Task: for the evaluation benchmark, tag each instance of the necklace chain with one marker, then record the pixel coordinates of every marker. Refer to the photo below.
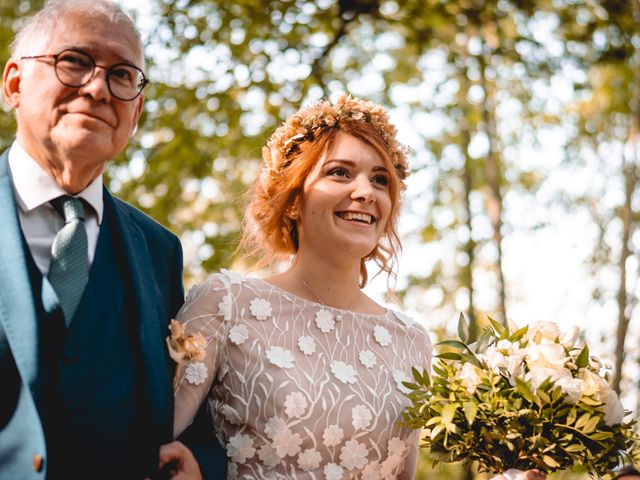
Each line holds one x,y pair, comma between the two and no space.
304,284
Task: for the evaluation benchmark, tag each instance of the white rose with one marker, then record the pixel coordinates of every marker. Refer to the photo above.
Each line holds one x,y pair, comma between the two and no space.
572,387
613,409
570,337
592,384
546,354
494,359
469,376
539,374
543,331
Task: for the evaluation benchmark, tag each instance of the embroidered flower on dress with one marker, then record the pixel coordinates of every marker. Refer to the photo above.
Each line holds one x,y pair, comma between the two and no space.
287,443
367,358
353,455
389,466
371,471
231,415
238,334
224,307
196,373
232,277
383,337
260,308
274,426
344,372
268,455
332,471
307,345
404,318
397,446
309,459
360,417
399,376
240,448
280,357
325,321
295,404
232,470
332,435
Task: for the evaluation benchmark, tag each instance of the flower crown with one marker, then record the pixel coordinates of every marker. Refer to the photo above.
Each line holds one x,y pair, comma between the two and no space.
310,121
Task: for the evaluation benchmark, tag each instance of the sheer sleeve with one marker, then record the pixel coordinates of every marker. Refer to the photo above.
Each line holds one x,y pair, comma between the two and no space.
204,313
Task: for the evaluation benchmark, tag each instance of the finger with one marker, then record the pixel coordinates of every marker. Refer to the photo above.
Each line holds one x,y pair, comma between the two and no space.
170,452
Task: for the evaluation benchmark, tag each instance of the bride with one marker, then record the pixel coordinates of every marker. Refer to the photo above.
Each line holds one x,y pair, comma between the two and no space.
301,371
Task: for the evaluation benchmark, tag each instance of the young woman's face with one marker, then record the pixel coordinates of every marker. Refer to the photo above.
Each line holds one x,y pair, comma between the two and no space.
345,201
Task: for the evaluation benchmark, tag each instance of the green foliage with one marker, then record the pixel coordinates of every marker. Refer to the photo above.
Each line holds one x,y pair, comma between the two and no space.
478,406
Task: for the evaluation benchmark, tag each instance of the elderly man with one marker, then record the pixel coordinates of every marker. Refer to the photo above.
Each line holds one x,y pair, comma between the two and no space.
88,283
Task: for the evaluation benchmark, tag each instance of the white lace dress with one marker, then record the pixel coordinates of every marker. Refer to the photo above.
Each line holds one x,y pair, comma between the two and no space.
299,390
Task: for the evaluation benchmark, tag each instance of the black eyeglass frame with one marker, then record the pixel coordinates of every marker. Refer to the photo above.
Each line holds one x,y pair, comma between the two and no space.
109,71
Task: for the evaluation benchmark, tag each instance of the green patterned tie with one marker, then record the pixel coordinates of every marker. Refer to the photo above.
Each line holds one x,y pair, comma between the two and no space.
69,270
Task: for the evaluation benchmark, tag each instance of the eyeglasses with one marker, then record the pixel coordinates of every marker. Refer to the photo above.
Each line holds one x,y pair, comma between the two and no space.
75,69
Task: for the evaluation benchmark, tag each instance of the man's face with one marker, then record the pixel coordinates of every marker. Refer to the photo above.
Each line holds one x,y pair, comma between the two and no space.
74,131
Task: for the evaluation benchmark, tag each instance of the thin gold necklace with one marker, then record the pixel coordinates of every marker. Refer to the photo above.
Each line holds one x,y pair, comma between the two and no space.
338,317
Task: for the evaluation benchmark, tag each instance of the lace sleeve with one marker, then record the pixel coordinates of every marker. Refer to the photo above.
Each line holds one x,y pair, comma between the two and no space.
203,313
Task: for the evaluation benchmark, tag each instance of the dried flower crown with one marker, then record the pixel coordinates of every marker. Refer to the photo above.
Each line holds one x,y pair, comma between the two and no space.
309,122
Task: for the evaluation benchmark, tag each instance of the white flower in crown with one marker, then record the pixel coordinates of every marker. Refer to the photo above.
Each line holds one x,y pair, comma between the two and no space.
224,307
287,443
332,471
399,377
260,308
268,455
353,455
295,404
367,358
309,459
344,372
382,335
361,417
332,435
196,373
240,448
239,334
274,426
280,357
325,321
306,344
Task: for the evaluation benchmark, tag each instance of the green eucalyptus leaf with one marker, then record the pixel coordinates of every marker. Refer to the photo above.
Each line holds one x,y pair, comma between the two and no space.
463,328
583,358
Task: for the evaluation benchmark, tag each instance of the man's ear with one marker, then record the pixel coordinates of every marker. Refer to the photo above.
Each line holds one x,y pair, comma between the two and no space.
11,83
139,106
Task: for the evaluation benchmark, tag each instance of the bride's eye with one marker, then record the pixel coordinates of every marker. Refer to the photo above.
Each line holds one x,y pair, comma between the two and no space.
339,172
382,180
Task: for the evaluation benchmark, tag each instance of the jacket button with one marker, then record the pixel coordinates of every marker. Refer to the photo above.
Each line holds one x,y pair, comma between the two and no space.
37,462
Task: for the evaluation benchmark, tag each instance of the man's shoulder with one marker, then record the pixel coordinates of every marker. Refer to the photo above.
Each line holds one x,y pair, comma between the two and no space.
141,219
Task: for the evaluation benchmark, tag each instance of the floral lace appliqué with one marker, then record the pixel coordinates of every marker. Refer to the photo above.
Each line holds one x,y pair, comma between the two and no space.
260,308
332,471
280,357
325,321
382,335
353,455
367,358
268,455
295,405
307,344
344,372
238,334
196,373
309,459
399,376
240,448
332,435
360,417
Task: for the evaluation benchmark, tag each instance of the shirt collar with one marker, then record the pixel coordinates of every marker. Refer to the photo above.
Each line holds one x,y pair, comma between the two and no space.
34,187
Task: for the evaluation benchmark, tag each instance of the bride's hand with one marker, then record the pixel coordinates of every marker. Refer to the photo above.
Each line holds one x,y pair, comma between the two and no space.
178,462
518,475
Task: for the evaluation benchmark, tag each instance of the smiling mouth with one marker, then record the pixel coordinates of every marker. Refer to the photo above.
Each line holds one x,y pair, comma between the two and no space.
357,217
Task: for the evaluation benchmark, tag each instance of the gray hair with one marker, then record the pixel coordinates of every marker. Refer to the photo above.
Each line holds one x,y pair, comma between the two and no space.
40,26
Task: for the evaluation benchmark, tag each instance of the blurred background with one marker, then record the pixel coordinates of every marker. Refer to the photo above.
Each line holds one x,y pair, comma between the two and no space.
523,117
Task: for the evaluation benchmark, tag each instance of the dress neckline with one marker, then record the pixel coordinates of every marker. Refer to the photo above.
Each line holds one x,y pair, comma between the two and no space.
284,292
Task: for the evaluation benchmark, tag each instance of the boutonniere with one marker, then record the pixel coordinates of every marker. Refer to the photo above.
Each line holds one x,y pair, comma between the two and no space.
184,347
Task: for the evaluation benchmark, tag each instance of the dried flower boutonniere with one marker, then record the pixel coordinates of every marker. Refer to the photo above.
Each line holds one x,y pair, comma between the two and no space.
184,347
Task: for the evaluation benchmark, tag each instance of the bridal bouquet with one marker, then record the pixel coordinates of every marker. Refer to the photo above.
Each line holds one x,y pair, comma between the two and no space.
521,399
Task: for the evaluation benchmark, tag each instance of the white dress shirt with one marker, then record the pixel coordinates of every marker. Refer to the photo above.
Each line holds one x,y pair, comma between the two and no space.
34,189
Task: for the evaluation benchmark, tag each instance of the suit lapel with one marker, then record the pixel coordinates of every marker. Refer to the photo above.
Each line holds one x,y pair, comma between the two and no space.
17,311
151,327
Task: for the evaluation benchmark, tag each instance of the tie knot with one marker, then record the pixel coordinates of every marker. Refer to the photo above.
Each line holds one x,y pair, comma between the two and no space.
69,208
